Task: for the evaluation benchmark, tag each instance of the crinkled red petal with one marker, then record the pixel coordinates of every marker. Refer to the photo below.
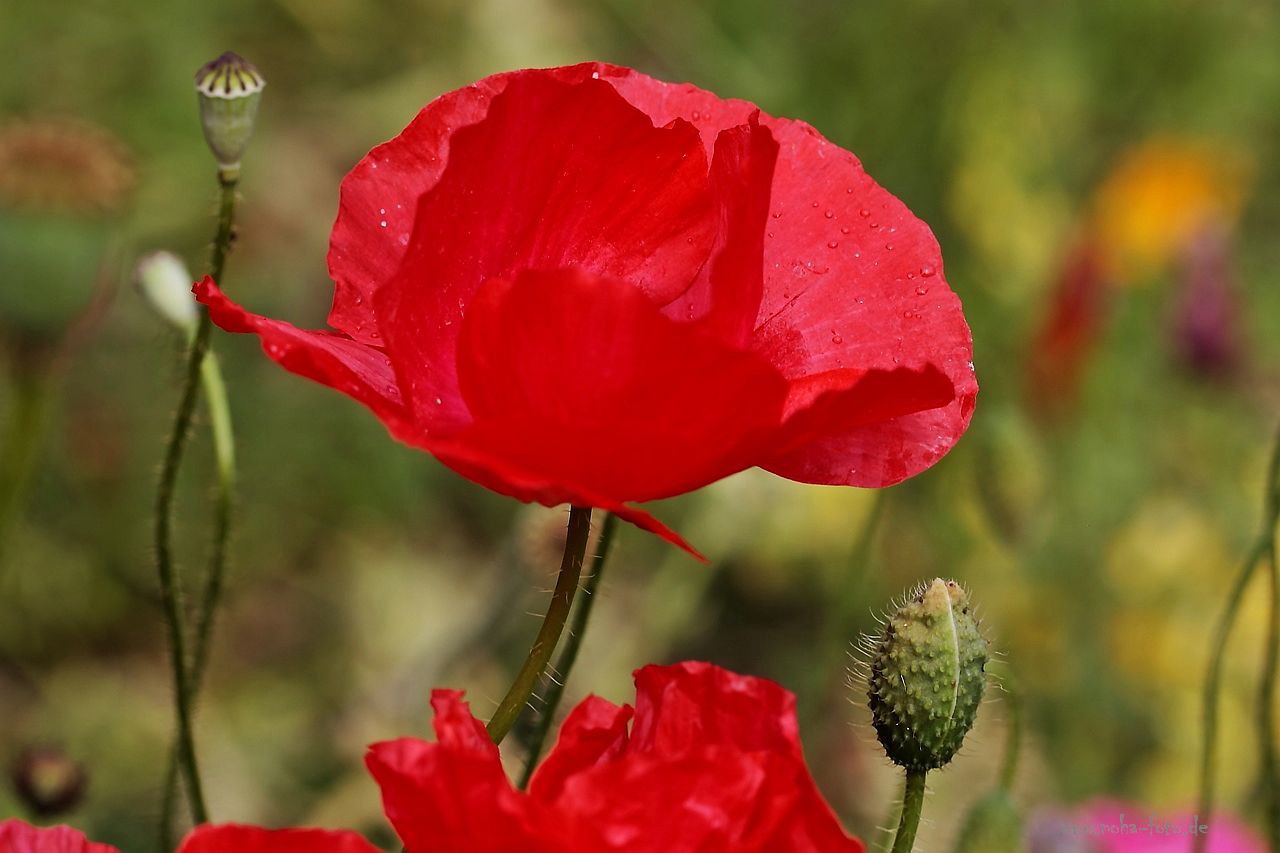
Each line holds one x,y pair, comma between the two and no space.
452,796
852,279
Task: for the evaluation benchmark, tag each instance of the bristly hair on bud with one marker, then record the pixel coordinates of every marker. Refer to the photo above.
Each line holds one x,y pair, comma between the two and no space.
229,89
927,676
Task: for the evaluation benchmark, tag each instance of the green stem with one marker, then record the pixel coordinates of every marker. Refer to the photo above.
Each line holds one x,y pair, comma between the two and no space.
169,589
215,395
572,644
535,664
1213,677
912,805
32,384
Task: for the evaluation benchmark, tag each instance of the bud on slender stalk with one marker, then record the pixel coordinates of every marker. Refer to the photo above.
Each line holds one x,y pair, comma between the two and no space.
229,89
927,677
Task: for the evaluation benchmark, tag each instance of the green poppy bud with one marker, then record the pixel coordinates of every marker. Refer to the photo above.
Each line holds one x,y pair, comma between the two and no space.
229,91
926,676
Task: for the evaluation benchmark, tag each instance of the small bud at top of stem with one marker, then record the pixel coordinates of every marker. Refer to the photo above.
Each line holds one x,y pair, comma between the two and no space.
927,676
229,89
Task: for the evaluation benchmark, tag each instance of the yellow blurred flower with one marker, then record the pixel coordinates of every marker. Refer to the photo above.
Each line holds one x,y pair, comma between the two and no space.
1158,195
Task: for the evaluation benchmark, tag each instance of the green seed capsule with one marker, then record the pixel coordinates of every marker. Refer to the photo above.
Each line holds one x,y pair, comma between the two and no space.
927,677
229,90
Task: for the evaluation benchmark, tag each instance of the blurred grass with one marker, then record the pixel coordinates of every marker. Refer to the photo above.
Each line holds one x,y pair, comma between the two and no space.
1099,543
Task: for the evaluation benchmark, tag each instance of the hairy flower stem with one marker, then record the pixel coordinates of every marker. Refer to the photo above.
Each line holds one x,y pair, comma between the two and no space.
572,644
215,395
912,804
1262,549
183,692
535,664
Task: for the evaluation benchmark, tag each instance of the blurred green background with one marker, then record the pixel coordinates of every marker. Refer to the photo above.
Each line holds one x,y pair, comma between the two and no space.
1102,177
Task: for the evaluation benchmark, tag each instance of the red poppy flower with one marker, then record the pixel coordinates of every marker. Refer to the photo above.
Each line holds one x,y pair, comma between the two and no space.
583,285
712,761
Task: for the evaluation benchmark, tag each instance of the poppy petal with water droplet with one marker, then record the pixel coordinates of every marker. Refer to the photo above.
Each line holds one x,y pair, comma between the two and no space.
660,341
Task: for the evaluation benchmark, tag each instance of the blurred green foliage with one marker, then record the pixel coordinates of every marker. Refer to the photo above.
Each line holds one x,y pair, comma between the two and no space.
1098,541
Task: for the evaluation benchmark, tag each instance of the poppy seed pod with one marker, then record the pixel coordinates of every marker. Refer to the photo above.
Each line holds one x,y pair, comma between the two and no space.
229,90
926,676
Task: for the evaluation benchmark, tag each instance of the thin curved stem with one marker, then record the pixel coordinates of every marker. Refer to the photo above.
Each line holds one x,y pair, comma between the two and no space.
165,569
535,664
572,644
1213,677
912,805
215,395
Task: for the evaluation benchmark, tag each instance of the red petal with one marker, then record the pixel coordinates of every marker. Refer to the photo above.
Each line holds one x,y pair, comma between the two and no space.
582,382
859,304
453,795
234,838
713,763
725,298
19,837
595,731
357,370
556,176
693,704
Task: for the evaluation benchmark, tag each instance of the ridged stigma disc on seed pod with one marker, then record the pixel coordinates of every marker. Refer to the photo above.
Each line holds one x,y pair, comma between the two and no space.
927,677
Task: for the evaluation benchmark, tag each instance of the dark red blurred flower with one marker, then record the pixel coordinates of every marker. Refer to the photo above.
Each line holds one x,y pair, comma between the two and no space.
1069,331
711,761
583,285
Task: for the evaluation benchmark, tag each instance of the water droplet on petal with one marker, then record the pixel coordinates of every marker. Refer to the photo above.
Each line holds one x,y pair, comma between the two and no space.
835,337
888,247
844,229
921,290
383,223
830,214
815,204
777,214
439,402
926,271
832,245
864,212
875,225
